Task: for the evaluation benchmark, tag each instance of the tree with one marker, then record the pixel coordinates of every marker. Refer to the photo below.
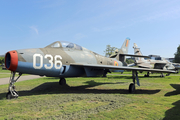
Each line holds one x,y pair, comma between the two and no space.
129,61
2,59
177,55
109,50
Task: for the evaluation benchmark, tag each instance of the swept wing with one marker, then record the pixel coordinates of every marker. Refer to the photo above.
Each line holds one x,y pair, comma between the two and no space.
120,68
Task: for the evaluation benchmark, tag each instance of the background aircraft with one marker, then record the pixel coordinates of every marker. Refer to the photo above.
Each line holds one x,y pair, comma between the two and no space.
162,63
177,66
65,59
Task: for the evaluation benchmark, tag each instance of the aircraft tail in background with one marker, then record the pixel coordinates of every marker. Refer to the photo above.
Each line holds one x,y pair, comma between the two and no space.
123,50
137,52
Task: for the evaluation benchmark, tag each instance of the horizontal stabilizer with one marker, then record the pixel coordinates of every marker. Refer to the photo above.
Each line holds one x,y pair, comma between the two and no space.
131,65
134,55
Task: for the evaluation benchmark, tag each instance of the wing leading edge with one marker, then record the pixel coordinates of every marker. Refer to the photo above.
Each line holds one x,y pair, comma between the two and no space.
120,68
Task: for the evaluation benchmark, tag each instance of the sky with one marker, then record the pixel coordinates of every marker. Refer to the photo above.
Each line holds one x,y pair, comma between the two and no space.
154,25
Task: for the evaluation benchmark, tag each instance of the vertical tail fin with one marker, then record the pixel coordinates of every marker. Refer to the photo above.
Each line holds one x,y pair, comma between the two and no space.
123,50
137,52
124,47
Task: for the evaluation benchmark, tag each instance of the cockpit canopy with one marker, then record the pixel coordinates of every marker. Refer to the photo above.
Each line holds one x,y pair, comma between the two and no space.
64,44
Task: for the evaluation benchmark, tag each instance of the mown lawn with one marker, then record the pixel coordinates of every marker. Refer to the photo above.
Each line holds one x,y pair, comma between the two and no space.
7,73
94,98
4,73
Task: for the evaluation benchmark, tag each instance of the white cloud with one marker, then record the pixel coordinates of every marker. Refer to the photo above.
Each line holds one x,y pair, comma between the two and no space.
34,29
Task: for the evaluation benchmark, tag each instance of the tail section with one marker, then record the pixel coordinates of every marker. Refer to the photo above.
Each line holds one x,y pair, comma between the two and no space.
137,52
123,50
124,47
114,54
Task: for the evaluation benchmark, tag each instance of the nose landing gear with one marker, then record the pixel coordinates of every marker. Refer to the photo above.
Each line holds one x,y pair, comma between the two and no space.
12,93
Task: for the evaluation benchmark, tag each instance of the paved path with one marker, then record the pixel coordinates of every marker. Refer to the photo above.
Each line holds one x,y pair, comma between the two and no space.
22,78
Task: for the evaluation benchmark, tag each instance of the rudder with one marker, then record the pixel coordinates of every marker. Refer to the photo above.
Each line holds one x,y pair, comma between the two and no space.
123,50
137,52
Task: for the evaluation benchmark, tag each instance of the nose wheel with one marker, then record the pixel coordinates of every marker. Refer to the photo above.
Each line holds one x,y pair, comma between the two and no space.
12,93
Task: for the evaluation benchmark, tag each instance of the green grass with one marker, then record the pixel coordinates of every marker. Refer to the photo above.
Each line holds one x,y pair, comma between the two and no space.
4,75
7,73
94,98
4,71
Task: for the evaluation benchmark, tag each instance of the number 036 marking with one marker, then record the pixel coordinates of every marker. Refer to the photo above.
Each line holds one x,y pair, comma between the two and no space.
57,62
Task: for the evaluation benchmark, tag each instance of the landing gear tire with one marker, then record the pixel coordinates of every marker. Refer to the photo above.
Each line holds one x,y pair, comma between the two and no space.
161,75
62,81
132,88
146,75
167,74
10,96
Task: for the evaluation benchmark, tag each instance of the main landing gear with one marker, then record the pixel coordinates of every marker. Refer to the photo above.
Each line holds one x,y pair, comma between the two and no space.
167,74
132,88
132,85
162,75
146,75
105,73
62,81
12,93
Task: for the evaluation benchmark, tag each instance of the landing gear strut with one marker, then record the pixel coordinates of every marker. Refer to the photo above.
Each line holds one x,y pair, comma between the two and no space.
11,89
105,73
162,75
146,75
62,81
167,74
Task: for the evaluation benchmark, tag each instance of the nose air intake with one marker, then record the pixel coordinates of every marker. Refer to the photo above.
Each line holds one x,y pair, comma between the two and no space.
11,60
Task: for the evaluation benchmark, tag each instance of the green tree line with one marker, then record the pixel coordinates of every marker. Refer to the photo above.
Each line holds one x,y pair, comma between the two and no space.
2,59
177,55
110,52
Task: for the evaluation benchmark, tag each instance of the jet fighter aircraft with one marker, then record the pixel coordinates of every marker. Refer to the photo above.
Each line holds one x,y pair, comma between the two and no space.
64,59
177,66
150,63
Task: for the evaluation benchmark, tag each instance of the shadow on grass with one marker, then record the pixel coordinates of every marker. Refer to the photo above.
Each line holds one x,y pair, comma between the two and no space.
175,92
55,88
173,113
